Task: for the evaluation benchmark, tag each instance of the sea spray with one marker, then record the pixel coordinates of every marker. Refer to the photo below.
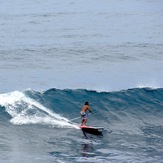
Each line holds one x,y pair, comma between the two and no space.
25,110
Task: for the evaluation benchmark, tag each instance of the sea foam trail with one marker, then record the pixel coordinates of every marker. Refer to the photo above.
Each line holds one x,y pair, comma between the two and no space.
25,110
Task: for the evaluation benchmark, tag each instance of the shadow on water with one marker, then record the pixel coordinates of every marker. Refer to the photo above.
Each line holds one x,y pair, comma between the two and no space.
96,133
87,149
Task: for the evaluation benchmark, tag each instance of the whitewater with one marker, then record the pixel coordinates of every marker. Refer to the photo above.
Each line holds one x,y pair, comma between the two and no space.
55,55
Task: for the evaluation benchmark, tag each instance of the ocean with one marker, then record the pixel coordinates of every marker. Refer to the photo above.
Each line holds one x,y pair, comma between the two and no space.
55,55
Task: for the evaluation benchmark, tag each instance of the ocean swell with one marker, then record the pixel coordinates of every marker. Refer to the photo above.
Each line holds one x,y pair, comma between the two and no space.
121,110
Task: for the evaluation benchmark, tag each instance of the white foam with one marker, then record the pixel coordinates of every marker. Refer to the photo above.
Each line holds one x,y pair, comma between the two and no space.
152,86
18,105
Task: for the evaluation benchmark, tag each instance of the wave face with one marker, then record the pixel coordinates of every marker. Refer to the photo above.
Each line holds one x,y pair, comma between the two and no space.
44,119
56,107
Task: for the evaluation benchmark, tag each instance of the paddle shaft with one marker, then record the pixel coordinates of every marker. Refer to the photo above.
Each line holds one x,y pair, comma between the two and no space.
78,117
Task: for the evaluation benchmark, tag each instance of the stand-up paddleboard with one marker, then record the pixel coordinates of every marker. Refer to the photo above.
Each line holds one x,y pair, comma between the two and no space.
92,130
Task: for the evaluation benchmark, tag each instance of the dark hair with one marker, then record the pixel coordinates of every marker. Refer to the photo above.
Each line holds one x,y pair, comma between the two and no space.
87,103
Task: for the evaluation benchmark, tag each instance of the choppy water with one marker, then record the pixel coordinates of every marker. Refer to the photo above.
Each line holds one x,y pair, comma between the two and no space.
35,126
52,53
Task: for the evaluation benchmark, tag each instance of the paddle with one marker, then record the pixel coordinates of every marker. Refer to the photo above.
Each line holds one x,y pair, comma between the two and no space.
79,117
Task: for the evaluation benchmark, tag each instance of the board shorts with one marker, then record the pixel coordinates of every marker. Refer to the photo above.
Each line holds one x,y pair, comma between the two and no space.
83,115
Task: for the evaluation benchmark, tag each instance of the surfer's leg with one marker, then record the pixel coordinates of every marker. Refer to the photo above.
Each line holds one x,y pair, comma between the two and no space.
82,123
85,121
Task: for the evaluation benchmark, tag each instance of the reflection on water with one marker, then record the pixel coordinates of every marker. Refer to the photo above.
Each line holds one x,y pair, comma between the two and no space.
87,149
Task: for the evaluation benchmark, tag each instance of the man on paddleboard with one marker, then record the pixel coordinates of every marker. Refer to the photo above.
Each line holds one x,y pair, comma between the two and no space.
83,113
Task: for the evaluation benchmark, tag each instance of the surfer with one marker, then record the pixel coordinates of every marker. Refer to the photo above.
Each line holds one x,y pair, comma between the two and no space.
83,113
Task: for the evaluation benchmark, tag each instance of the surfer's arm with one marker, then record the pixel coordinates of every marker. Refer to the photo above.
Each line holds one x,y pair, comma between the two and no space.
90,110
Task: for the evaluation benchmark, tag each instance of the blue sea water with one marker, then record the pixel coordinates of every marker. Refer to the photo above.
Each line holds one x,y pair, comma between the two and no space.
55,55
35,126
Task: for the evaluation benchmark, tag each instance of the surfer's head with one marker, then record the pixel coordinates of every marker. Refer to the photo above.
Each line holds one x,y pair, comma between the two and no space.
87,103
